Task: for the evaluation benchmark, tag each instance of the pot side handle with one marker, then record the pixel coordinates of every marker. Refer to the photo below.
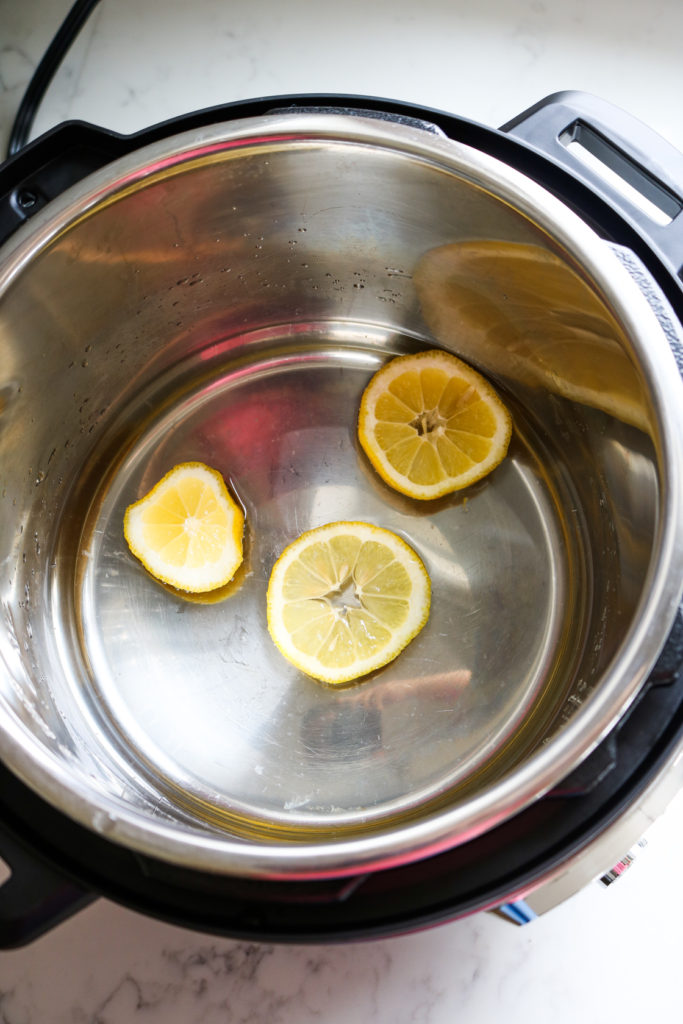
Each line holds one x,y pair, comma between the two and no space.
626,163
52,163
34,898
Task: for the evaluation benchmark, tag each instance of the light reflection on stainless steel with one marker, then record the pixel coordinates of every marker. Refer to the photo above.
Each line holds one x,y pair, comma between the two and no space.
229,303
523,309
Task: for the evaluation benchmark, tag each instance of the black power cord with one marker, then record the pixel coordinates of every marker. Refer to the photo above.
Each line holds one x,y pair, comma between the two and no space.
44,73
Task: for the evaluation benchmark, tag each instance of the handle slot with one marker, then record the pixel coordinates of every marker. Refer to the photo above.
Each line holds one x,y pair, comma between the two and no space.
623,147
620,172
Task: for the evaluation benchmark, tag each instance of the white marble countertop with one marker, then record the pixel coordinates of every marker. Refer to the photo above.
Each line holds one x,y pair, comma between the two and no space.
606,954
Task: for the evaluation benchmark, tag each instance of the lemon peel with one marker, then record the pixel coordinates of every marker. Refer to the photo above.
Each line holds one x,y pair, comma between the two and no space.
187,530
345,599
430,424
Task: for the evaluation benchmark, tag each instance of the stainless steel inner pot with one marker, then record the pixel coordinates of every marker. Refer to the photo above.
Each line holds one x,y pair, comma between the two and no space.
225,295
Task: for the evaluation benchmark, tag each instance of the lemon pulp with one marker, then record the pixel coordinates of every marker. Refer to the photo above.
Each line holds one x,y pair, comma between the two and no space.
431,424
345,599
187,530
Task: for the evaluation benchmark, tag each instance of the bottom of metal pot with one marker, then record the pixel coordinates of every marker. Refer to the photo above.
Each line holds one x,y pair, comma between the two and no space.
191,695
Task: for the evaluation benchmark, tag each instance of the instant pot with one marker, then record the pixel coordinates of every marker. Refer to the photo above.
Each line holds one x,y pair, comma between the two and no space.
221,287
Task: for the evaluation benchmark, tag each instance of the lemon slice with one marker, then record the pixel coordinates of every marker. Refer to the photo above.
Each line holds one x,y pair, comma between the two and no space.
187,531
430,424
345,599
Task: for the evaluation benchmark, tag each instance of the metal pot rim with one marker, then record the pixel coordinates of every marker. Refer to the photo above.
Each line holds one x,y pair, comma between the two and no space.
50,777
